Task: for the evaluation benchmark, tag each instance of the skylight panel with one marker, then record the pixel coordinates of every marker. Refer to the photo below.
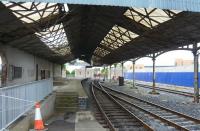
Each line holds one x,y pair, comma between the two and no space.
150,17
117,37
55,38
101,52
30,12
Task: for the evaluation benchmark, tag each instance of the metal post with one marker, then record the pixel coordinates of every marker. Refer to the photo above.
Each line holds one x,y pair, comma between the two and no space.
61,68
110,73
107,73
114,74
85,71
104,73
122,69
154,76
196,78
133,74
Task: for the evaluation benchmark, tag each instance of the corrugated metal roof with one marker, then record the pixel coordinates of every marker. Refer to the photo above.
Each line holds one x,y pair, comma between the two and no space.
184,5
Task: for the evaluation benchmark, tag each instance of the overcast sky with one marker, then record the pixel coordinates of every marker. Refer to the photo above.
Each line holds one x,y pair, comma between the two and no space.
166,59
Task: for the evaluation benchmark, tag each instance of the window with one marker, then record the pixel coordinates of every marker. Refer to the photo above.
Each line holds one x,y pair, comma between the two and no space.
48,74
42,72
15,72
45,74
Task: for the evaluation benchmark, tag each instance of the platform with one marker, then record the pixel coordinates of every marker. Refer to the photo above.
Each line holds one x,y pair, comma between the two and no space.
81,120
69,85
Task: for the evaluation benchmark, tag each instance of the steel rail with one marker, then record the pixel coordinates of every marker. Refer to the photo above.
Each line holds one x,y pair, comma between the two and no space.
110,125
154,115
123,108
187,94
155,105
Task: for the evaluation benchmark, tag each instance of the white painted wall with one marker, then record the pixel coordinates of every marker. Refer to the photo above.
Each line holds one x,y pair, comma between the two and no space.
21,59
115,73
28,63
57,70
80,73
89,73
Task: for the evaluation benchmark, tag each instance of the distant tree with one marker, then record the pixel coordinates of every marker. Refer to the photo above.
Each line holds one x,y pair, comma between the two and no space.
73,72
67,72
115,65
104,72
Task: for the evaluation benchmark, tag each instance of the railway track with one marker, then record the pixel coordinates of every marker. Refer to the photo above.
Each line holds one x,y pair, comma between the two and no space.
117,117
173,118
186,94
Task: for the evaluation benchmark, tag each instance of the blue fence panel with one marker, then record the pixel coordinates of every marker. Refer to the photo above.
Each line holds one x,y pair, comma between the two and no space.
172,78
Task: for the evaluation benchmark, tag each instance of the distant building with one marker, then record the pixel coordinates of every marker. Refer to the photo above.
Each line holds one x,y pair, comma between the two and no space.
139,66
182,62
83,73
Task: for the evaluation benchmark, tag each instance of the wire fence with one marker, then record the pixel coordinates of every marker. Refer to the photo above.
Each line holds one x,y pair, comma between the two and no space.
17,100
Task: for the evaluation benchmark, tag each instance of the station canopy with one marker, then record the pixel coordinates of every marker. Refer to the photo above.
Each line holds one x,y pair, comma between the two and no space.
96,34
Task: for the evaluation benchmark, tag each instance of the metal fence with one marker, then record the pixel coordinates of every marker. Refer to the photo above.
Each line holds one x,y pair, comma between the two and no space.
17,100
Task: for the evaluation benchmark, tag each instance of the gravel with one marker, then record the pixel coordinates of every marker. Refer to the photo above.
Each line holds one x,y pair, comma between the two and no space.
172,101
155,124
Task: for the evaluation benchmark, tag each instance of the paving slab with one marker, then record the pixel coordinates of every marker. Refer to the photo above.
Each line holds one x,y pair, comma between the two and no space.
85,121
72,85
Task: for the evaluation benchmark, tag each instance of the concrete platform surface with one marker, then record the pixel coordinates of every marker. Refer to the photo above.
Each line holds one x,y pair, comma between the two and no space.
61,122
79,121
85,121
72,85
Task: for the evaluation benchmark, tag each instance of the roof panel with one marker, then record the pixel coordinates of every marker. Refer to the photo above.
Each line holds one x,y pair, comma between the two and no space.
101,52
55,38
150,17
32,11
185,5
117,37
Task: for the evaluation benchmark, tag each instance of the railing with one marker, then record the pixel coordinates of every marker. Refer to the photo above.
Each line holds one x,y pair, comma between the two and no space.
17,100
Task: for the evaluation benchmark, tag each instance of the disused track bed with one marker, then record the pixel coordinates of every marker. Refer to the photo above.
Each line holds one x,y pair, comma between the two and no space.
173,118
182,93
116,116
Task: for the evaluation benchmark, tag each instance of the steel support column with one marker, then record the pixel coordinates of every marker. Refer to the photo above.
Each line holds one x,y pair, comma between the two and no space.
85,71
196,78
122,69
154,76
104,73
110,73
133,74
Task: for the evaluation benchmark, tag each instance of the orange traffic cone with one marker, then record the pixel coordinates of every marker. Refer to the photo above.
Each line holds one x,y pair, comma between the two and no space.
38,118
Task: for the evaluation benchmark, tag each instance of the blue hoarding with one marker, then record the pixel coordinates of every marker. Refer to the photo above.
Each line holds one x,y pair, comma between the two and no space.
172,78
